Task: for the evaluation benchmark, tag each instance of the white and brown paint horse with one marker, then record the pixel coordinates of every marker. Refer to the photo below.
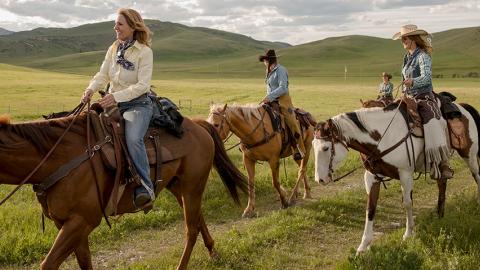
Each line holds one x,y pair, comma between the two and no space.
259,142
383,157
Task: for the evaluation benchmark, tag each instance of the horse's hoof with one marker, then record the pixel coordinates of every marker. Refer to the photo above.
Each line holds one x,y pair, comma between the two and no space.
406,236
214,256
307,196
285,205
359,252
441,212
249,214
291,203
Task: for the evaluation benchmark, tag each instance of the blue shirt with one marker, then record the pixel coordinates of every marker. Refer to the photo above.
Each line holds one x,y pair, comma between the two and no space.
385,89
277,82
418,66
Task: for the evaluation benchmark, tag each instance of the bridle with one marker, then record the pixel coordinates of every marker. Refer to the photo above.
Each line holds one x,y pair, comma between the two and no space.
224,116
371,157
333,139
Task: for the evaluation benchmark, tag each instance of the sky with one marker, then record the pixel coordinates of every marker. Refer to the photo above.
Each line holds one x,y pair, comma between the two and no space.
291,21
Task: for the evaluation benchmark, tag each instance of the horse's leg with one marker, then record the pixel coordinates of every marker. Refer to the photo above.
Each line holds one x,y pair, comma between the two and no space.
303,170
207,238
406,181
472,162
82,253
294,193
373,189
274,167
442,188
302,175
192,201
71,233
250,167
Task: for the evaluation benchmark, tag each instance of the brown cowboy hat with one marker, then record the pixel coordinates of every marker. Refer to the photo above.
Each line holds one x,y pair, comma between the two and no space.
269,55
410,30
385,74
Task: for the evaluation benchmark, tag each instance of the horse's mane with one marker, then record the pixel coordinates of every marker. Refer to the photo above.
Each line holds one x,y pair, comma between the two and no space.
354,122
247,111
42,133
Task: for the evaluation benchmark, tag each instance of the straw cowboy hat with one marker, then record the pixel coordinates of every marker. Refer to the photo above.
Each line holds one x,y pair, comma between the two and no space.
385,74
269,55
410,30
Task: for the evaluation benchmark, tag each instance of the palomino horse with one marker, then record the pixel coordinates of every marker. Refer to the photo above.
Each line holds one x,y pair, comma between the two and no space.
74,204
396,155
259,142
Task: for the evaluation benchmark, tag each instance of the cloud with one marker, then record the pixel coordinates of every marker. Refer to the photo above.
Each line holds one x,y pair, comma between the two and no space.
294,21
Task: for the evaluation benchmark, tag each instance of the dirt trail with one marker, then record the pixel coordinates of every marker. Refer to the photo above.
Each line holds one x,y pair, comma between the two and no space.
333,243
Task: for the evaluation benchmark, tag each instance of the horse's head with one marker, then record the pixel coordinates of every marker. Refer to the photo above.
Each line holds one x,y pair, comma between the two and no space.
219,119
372,103
4,120
329,151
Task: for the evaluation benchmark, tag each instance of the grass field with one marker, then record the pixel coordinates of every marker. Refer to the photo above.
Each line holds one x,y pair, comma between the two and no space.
316,234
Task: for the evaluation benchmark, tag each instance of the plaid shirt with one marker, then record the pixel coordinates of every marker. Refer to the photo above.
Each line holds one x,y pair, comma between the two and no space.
418,66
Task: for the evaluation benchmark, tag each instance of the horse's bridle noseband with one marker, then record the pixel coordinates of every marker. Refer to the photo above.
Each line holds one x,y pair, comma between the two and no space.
266,136
333,139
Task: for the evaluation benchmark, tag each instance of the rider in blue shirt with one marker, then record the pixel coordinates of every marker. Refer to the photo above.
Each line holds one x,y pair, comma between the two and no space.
277,91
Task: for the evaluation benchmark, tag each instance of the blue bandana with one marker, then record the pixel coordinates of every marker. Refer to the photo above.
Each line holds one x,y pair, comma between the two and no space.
121,55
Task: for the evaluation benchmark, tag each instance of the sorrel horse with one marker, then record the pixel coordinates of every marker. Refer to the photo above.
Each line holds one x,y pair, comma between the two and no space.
259,142
391,156
73,203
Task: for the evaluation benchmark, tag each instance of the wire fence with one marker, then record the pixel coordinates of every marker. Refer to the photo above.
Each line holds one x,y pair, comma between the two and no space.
29,111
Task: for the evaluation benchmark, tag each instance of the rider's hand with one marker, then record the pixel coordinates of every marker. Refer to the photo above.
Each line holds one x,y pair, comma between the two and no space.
87,95
408,82
265,99
107,101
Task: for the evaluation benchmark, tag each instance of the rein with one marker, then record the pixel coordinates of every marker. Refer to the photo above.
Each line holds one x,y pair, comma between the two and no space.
76,113
265,139
370,157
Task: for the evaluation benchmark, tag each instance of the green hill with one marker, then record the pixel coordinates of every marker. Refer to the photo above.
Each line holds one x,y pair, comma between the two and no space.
82,48
456,51
194,51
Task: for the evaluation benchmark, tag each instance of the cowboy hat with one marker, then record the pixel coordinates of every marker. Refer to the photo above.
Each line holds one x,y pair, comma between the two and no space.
385,74
409,30
269,54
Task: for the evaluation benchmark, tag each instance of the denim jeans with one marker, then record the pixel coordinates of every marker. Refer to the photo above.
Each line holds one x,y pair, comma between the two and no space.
137,114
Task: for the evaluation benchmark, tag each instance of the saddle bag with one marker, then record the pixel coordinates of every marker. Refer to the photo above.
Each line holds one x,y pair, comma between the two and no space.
166,115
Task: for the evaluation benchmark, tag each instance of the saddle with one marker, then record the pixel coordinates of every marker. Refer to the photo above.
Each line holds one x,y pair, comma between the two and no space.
304,118
161,146
457,122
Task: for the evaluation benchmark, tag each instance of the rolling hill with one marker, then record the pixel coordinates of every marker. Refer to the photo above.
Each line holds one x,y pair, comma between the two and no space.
201,52
4,31
79,48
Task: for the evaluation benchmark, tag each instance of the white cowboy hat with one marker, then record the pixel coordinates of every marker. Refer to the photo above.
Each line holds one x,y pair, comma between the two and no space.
409,30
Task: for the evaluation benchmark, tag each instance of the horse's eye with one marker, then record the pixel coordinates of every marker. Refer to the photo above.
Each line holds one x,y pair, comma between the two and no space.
215,125
325,148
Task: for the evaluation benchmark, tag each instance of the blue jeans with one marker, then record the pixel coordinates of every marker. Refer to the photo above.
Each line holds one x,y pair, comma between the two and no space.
137,114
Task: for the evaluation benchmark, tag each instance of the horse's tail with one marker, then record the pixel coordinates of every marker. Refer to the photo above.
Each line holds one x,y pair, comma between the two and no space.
230,175
476,117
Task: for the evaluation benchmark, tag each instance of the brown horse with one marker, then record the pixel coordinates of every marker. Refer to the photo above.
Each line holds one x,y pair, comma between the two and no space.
259,142
73,202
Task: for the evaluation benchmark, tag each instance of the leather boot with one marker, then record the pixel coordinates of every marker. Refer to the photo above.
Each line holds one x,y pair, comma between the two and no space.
144,194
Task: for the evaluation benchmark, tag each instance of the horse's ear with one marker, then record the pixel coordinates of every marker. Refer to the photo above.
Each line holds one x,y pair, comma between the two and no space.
329,127
224,108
